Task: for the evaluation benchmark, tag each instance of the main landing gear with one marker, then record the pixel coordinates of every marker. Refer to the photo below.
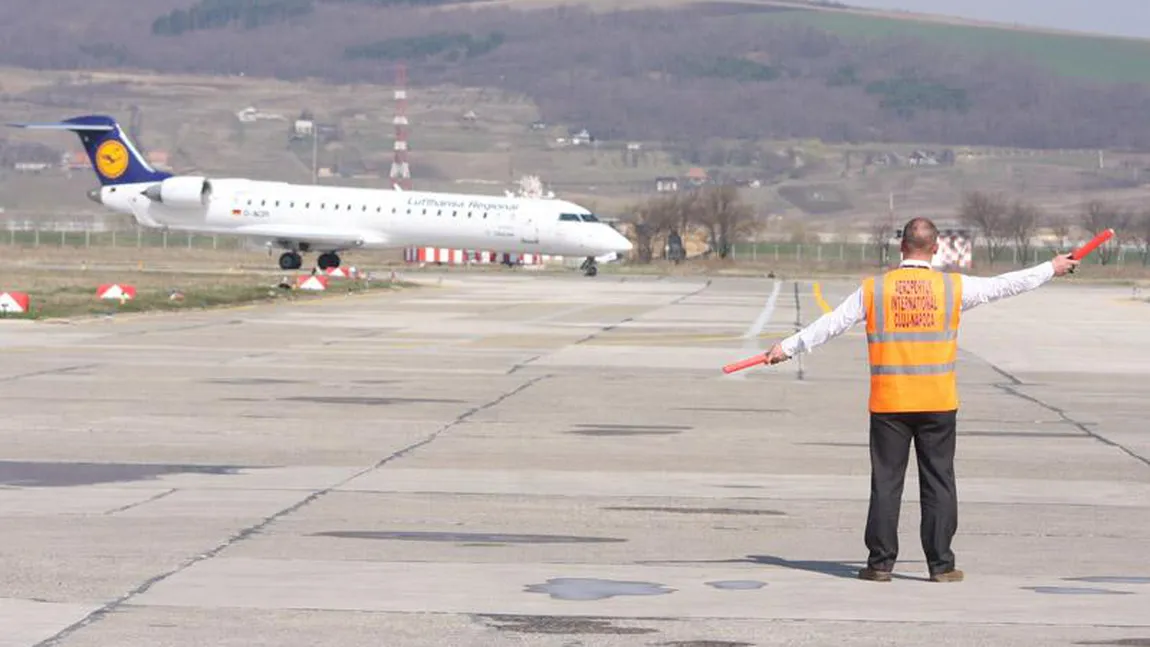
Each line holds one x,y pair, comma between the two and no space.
293,261
590,266
327,260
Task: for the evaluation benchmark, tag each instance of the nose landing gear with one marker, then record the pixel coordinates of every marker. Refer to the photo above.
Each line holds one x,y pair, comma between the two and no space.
590,266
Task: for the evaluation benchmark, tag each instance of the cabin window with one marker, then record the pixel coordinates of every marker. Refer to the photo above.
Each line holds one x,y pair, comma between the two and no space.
263,202
468,214
292,205
393,210
485,215
378,209
424,212
365,207
249,203
454,214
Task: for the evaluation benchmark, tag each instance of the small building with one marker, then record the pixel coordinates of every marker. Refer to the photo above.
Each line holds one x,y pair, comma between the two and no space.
666,184
31,167
159,159
76,161
697,176
303,127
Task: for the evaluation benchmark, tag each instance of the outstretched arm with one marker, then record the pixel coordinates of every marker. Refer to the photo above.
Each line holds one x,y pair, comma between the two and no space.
979,290
821,330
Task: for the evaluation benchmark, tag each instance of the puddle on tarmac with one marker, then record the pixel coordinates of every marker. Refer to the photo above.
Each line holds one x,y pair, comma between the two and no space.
562,625
629,430
32,474
723,511
1073,590
1110,579
732,410
737,585
251,381
484,538
366,400
589,588
1023,434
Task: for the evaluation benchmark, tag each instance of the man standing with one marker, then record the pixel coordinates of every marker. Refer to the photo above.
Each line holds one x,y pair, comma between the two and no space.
912,317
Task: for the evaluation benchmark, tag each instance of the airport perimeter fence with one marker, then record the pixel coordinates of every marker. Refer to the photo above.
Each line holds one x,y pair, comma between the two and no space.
119,239
827,256
854,256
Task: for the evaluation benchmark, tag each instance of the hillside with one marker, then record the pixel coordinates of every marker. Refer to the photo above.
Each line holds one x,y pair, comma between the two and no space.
679,73
800,185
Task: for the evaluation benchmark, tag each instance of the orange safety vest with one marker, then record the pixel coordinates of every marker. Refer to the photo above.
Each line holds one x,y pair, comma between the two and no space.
912,317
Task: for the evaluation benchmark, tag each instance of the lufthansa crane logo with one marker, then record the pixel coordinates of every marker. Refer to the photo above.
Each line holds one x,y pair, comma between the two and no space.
111,159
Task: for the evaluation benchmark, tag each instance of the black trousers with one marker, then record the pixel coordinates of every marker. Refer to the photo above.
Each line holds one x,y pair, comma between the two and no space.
934,443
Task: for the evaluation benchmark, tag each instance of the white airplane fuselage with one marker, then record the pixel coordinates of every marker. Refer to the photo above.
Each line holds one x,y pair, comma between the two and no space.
329,218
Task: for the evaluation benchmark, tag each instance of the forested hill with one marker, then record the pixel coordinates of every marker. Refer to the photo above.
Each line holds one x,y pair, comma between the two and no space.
682,74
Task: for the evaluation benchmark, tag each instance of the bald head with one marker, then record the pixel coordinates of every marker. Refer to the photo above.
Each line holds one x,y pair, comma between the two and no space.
919,239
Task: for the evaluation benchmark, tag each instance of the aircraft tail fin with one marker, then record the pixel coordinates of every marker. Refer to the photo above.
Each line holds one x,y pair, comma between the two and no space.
114,157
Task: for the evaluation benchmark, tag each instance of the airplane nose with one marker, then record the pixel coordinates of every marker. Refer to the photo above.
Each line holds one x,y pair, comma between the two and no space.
622,244
94,196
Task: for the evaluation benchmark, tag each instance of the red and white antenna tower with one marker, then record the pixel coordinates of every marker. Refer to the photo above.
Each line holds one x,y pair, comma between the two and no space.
400,171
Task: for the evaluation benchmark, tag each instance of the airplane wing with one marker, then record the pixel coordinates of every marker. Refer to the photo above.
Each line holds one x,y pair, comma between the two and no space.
346,238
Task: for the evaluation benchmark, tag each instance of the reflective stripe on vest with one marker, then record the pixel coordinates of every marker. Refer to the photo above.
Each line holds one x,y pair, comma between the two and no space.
912,357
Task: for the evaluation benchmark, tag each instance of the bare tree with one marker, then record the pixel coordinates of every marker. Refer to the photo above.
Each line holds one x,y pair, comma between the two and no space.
649,222
880,232
1098,216
1061,227
1022,222
988,214
1140,230
725,216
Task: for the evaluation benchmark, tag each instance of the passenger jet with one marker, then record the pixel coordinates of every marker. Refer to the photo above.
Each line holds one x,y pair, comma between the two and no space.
331,219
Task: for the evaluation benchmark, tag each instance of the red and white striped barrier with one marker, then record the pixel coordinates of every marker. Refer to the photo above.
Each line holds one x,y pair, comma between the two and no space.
14,303
461,256
116,292
315,283
337,273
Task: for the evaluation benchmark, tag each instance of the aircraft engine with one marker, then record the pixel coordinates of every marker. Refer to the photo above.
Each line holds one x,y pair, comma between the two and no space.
188,191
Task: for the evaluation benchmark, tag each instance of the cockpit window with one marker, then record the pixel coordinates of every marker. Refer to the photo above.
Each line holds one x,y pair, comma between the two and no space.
577,217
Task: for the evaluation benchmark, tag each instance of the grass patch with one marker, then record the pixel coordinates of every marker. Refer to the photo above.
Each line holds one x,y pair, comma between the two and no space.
73,293
1098,58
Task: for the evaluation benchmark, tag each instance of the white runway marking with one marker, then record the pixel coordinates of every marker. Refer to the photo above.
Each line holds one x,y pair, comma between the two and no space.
751,343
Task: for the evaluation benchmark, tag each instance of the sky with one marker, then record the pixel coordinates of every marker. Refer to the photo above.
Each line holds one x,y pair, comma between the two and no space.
1115,17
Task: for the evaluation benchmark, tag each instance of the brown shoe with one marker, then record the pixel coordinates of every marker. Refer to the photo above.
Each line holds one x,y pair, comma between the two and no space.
953,575
873,575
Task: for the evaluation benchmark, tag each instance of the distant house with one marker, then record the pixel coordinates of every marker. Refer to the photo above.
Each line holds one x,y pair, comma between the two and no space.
31,167
76,161
697,176
303,127
159,159
666,184
539,125
581,136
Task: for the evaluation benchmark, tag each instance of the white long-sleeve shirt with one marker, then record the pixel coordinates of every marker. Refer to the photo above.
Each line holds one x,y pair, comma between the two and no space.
975,292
